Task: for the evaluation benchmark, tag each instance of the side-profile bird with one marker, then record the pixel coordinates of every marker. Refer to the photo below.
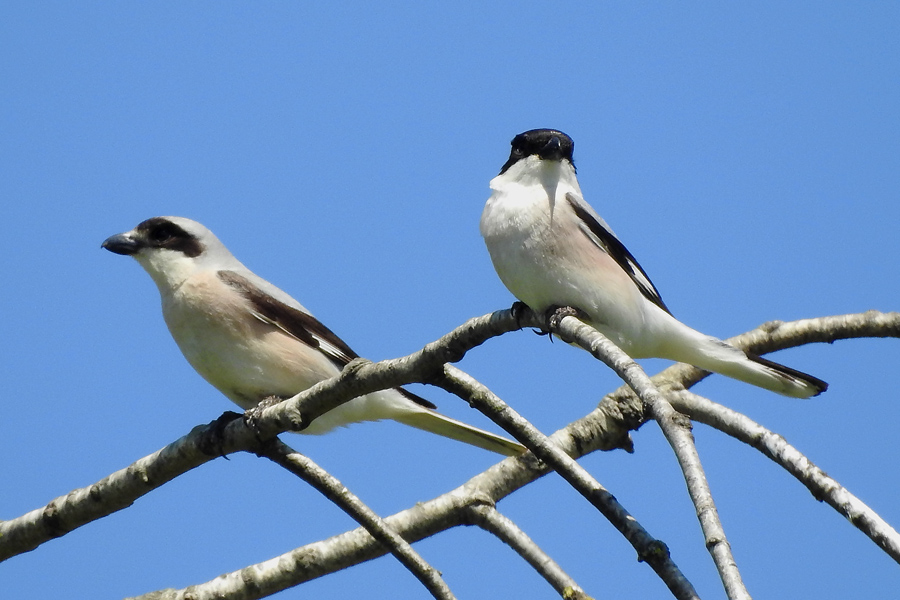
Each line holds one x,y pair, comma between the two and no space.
253,341
551,249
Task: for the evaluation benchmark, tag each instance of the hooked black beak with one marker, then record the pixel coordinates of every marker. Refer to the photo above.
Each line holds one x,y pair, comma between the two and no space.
121,244
552,150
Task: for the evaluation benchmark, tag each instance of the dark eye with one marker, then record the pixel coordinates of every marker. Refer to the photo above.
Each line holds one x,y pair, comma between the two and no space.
161,234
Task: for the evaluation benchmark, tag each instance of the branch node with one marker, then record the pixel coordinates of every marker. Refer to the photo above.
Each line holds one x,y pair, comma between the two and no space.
682,421
51,519
571,593
654,551
351,369
248,578
713,541
95,492
771,326
481,499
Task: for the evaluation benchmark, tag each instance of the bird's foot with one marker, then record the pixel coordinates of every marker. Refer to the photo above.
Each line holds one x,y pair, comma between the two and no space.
555,315
211,442
252,415
518,310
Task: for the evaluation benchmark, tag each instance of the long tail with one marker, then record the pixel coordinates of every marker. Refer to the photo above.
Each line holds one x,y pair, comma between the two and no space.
713,354
405,407
797,384
435,422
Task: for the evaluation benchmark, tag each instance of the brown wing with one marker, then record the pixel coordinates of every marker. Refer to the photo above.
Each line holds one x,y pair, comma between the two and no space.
294,322
300,325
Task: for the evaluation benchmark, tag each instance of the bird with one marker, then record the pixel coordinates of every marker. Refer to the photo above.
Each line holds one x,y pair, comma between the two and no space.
254,342
551,249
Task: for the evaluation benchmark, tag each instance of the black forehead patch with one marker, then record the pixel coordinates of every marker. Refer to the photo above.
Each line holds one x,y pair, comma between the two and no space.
160,232
533,141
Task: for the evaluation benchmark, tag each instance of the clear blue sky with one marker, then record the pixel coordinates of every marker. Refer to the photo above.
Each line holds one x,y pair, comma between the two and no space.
748,156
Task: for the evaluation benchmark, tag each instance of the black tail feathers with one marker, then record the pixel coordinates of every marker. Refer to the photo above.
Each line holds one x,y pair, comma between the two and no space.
817,385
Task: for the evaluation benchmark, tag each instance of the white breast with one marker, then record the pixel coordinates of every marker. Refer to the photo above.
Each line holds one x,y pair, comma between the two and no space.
544,258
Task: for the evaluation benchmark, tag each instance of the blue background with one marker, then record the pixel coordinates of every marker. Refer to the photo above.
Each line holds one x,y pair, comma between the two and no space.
748,156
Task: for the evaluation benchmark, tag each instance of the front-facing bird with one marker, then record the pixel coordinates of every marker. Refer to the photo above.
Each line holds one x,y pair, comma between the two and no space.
253,341
551,249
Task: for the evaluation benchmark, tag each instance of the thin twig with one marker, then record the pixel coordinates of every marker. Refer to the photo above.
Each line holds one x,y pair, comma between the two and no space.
774,446
491,520
650,550
676,429
448,510
356,546
334,490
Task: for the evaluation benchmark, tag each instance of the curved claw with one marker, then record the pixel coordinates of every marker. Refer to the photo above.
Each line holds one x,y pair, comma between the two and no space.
518,309
555,315
211,442
251,416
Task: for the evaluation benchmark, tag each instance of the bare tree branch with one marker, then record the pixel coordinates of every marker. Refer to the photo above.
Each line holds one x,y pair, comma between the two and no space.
605,428
822,487
650,550
334,490
356,546
117,491
677,429
425,519
123,487
353,547
491,520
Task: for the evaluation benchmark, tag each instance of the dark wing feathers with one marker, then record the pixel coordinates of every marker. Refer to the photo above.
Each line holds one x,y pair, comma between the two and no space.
617,250
300,325
292,321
